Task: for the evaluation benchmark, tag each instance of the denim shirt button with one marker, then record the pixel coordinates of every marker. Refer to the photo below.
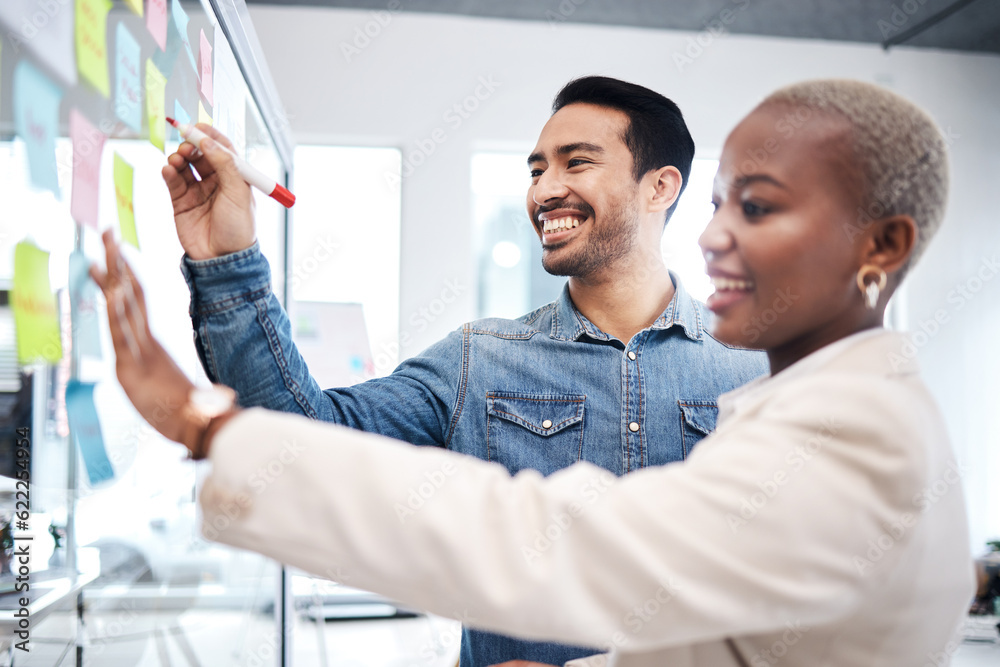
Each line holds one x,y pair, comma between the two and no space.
634,426
547,423
631,355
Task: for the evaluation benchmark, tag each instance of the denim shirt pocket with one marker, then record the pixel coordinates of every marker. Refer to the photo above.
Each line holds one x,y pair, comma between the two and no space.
543,432
698,418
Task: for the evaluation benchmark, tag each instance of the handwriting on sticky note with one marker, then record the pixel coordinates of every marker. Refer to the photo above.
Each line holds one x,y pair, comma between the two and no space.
123,197
36,119
91,43
155,112
36,319
88,143
128,85
206,68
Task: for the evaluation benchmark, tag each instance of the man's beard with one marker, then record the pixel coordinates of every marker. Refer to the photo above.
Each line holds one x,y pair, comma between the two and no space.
607,243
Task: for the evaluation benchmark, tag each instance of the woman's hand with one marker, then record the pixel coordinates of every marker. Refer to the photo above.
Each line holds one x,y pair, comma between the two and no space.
214,215
157,387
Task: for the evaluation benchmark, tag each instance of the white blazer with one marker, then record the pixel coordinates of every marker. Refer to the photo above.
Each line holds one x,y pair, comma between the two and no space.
823,524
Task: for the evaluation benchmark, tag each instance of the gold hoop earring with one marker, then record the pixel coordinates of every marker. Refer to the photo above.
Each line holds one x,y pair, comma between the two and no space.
871,291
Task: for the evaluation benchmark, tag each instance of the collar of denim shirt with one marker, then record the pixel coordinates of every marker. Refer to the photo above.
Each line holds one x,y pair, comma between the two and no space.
568,323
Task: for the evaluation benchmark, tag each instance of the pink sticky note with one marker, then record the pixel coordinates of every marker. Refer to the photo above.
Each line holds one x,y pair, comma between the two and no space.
156,21
88,143
206,69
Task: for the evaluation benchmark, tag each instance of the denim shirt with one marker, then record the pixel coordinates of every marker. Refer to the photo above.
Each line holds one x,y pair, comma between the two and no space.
542,392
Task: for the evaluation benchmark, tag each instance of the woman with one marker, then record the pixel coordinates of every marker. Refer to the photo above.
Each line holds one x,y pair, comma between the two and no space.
801,532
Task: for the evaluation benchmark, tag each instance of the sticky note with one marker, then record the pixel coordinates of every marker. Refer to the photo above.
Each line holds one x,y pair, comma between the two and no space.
182,117
36,119
92,42
155,112
181,24
86,429
206,68
128,86
45,30
83,306
135,6
167,58
203,115
123,195
36,318
88,143
156,22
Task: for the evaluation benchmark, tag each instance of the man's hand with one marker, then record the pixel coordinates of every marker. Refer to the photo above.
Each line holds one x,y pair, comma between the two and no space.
214,215
156,386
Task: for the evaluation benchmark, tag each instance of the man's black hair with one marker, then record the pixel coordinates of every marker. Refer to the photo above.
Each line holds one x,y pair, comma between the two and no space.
656,134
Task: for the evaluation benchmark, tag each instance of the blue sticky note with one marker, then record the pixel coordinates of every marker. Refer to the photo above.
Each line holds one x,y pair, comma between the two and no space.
83,306
128,86
86,430
36,120
181,25
181,117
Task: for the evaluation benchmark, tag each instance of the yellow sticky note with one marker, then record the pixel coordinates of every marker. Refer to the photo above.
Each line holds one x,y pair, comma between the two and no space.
155,111
123,195
135,6
36,318
203,116
92,43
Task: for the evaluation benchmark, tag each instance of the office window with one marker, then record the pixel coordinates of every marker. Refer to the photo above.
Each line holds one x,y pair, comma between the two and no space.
345,244
511,278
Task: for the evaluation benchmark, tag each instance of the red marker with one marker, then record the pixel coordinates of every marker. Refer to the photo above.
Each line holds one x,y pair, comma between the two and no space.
249,173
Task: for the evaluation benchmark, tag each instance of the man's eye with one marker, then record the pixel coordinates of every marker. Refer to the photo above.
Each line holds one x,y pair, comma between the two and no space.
576,162
753,210
535,173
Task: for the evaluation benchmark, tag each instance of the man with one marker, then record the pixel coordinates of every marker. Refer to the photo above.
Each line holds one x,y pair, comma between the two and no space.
620,371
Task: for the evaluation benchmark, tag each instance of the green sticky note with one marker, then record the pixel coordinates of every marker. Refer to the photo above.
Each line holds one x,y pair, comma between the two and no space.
123,195
92,43
36,318
155,105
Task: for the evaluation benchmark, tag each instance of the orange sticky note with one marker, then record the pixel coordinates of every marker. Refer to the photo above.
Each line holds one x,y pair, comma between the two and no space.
88,143
92,43
155,105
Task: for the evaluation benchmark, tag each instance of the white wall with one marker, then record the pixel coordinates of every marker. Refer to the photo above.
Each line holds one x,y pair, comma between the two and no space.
396,89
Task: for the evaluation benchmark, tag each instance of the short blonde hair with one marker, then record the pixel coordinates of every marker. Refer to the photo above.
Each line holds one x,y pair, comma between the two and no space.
901,152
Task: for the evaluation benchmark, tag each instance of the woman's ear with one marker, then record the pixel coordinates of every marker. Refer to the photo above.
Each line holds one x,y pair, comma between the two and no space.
666,184
890,242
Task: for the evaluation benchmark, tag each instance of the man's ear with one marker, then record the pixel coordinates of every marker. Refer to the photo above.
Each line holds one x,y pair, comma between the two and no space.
890,242
666,187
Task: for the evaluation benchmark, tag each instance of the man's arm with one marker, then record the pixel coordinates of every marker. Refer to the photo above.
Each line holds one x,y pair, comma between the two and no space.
243,336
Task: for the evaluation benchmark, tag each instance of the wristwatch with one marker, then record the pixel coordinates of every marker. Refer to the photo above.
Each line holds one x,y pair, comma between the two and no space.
209,408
